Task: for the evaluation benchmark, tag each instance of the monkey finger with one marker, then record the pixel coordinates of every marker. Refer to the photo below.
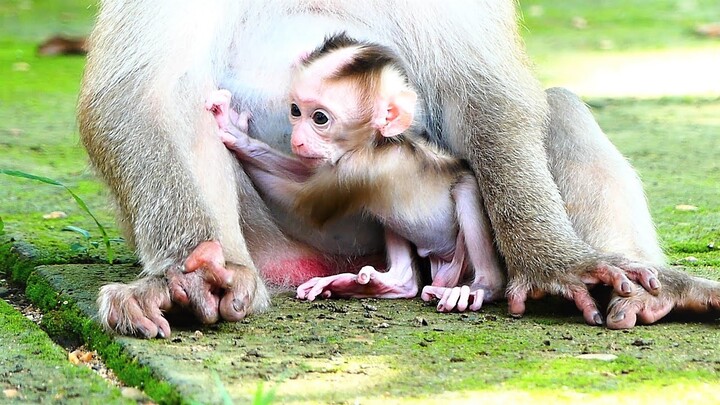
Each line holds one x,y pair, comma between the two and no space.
446,296
304,288
228,139
234,117
611,275
586,304
516,302
141,325
243,121
206,306
237,301
181,285
463,300
234,305
319,288
430,293
208,253
477,298
199,295
162,325
366,274
219,276
645,275
208,256
177,291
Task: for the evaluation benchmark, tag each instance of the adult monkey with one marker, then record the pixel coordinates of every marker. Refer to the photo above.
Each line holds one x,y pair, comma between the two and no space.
566,208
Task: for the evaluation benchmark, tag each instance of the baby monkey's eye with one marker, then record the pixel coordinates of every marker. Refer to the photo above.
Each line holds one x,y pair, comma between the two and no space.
294,110
319,118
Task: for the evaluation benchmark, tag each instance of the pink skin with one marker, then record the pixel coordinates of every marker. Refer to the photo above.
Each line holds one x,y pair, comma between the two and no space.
271,169
474,242
400,281
206,273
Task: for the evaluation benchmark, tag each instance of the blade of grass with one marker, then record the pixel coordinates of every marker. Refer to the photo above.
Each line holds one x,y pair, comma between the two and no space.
78,200
79,230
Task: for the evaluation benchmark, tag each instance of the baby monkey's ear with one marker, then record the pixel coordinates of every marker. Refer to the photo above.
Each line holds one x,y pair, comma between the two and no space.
395,114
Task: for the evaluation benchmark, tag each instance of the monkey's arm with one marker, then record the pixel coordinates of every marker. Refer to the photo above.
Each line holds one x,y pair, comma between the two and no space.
260,155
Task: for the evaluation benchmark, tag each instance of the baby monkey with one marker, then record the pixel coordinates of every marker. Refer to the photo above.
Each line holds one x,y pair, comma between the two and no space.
358,148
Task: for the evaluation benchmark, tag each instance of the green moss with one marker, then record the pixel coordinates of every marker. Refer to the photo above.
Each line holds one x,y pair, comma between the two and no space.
65,321
39,369
17,258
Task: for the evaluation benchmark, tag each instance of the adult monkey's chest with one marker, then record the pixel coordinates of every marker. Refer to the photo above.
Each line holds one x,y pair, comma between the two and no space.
260,64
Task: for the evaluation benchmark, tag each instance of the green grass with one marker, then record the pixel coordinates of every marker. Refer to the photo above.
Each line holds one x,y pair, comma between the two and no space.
674,146
631,25
31,363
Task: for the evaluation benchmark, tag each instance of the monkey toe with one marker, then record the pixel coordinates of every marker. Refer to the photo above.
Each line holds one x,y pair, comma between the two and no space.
516,303
587,306
643,308
234,308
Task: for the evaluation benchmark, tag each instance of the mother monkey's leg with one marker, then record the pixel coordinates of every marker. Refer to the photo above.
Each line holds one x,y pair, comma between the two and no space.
143,122
606,205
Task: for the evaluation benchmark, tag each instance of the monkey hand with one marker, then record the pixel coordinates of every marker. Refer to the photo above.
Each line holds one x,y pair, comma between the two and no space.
236,138
681,292
214,289
368,283
573,284
218,103
454,298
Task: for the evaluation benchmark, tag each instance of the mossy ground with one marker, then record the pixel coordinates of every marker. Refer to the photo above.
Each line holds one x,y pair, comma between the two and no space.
377,351
32,362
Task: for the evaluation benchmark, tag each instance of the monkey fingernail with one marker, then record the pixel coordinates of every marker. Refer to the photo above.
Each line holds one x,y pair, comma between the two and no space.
654,283
142,332
597,318
626,287
239,304
618,317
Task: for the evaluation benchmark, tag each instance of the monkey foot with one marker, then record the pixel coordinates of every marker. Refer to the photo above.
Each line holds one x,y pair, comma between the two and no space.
136,308
454,298
368,283
643,308
615,271
681,292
